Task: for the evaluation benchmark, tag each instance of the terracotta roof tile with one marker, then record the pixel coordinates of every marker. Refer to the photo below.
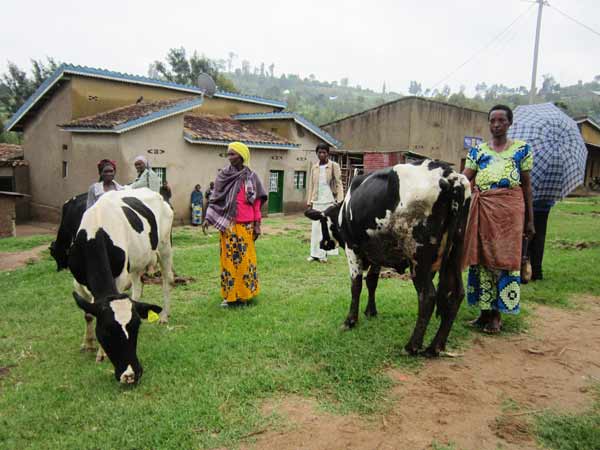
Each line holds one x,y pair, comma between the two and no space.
111,119
215,128
10,152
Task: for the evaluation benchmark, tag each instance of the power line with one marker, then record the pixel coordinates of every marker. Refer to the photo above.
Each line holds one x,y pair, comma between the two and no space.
494,39
574,20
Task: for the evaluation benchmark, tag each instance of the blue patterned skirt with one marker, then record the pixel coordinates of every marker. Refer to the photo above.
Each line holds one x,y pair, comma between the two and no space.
489,289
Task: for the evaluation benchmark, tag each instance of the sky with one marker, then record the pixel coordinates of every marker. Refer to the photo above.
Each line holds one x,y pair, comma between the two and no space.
369,42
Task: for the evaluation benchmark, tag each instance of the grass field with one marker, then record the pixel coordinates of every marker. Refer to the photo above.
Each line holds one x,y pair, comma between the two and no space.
208,371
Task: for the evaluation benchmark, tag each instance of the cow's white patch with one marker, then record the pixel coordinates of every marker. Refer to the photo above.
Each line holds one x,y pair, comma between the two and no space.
381,224
128,376
353,263
418,186
122,311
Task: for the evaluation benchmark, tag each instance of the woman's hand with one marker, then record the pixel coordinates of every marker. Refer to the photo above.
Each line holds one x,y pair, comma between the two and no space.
529,230
257,231
205,225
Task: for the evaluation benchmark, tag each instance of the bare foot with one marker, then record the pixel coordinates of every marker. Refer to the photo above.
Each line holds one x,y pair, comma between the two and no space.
482,321
494,326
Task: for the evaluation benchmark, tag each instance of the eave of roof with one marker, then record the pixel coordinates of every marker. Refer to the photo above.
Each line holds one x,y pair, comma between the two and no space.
69,69
140,121
589,120
284,115
252,144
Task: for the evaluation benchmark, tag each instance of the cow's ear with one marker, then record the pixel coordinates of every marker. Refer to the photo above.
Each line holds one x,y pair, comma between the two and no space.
90,308
144,308
313,214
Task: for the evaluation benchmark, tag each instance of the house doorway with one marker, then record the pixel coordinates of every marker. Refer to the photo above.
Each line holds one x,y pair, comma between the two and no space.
275,191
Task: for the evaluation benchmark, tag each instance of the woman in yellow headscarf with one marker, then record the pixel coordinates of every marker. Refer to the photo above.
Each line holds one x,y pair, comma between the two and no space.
234,209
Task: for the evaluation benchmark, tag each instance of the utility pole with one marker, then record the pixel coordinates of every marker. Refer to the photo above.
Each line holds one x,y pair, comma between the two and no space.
535,51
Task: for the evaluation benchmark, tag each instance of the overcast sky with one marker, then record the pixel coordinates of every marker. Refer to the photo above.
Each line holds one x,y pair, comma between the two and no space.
367,41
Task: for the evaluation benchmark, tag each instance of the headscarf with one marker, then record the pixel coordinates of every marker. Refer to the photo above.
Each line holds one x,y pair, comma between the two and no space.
106,162
242,150
143,159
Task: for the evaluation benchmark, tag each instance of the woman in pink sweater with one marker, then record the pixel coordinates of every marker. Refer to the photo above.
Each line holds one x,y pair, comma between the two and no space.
234,209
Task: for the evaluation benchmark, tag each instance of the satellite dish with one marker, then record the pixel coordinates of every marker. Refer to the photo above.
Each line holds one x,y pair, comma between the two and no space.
206,84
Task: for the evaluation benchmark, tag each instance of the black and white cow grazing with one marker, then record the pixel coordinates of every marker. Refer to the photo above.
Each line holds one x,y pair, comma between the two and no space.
408,216
120,236
72,212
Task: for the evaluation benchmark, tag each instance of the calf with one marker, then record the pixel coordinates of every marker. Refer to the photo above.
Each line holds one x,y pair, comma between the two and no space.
408,216
120,235
72,212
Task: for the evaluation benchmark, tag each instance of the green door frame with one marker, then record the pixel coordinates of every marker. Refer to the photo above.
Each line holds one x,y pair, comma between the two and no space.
275,196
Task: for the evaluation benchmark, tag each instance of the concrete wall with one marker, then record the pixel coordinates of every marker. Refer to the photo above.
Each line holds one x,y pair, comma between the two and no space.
438,129
7,216
423,126
43,148
92,96
87,150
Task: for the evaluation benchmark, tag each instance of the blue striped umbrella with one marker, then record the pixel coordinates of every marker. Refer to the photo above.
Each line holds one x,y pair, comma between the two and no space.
559,153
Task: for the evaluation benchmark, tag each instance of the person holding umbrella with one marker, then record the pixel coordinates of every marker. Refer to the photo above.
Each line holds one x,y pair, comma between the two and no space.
560,161
501,214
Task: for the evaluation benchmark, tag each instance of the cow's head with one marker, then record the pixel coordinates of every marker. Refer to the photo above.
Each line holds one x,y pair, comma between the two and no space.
118,320
60,255
330,230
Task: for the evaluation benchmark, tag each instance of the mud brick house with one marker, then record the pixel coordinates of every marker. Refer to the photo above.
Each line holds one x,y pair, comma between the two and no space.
80,115
404,130
590,131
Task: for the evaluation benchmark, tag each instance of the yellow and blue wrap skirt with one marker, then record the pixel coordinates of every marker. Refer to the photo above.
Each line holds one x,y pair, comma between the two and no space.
239,276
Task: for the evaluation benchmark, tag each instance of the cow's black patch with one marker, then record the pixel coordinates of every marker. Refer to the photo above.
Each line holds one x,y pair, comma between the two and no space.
382,185
72,212
95,263
447,170
138,206
133,219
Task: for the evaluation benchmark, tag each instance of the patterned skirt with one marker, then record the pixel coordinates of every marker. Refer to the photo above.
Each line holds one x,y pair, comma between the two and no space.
489,289
239,277
196,214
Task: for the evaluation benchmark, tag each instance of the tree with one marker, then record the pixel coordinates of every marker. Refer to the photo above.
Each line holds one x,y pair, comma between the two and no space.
272,70
344,82
246,67
16,87
231,55
414,88
262,69
179,69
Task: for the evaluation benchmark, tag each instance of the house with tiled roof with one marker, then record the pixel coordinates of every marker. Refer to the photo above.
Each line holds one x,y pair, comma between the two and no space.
81,115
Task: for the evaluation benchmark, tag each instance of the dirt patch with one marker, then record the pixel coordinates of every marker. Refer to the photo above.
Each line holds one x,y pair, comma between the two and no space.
390,273
483,400
578,245
4,370
156,278
14,260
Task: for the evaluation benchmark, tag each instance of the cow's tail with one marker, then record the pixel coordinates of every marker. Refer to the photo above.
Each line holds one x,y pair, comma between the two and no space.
460,201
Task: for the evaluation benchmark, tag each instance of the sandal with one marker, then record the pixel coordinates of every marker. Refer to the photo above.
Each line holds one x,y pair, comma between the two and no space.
490,329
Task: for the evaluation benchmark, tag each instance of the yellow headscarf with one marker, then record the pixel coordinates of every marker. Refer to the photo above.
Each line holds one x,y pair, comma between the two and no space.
242,150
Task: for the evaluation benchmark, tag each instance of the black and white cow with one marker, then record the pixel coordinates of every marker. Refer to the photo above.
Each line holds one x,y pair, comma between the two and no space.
408,216
120,236
72,212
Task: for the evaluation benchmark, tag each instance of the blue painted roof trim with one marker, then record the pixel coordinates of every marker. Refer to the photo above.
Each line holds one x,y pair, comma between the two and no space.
140,121
253,144
297,118
69,69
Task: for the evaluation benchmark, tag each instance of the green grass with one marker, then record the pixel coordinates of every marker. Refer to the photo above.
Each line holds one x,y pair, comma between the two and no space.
571,431
208,372
17,244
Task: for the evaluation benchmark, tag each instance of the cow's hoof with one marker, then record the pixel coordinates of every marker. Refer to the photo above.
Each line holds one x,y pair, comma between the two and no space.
370,313
100,356
412,351
349,324
430,352
88,348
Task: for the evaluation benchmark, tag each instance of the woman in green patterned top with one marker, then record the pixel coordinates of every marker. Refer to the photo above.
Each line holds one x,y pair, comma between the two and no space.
501,214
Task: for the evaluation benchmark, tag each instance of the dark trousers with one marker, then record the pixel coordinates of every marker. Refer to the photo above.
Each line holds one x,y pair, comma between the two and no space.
536,246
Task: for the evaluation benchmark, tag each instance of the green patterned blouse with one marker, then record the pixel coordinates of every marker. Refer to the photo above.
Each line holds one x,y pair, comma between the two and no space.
499,170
